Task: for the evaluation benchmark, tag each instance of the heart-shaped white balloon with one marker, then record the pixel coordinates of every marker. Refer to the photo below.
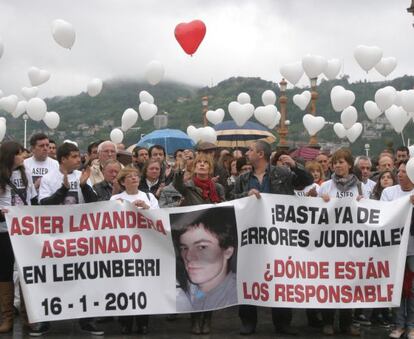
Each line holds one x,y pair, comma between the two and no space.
349,117
145,96
408,100
302,100
354,132
207,134
313,124
367,56
268,97
332,68
240,113
20,109
339,130
29,92
147,111
192,132
63,33
94,87
386,65
215,117
2,129
409,167
266,114
385,97
9,103
154,72
51,119
341,98
116,136
243,98
397,117
276,121
36,109
399,98
292,72
372,110
129,118
313,65
38,76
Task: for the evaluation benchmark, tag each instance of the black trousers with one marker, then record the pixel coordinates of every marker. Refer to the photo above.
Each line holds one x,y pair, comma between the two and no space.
6,258
345,318
280,316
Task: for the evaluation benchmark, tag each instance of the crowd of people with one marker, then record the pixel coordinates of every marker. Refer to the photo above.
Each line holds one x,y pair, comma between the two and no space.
50,174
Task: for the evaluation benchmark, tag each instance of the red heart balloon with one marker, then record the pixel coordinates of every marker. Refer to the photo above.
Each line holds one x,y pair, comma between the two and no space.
190,35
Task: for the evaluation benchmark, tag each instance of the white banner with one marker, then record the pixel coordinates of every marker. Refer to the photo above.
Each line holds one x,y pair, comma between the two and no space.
109,258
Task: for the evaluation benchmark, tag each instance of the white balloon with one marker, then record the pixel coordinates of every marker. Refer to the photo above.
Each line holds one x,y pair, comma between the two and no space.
63,33
292,72
410,169
147,111
36,109
2,129
267,115
240,113
397,117
129,119
268,97
385,97
313,124
52,120
192,132
38,76
207,134
145,96
339,130
349,117
276,121
332,68
215,117
313,65
116,136
367,56
29,92
243,98
154,72
20,109
399,98
9,103
1,47
302,100
372,110
386,65
411,149
354,132
341,98
70,142
94,87
408,100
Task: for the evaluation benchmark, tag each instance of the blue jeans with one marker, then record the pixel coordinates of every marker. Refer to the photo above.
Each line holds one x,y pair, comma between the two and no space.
404,315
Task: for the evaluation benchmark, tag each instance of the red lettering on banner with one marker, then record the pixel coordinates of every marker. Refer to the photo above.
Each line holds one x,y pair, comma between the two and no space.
36,225
258,291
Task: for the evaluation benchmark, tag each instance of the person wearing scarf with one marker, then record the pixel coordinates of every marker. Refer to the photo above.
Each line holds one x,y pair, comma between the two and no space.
200,189
343,184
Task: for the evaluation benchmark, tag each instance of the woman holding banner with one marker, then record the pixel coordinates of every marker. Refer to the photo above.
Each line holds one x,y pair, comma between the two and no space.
15,190
128,178
200,189
342,184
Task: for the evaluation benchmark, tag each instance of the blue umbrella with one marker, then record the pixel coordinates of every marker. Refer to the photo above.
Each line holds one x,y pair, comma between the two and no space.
170,139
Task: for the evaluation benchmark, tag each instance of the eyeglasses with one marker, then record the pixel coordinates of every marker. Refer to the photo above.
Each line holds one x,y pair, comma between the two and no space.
108,151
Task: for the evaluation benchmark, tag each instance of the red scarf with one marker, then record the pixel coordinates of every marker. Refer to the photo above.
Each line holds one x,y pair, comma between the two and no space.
208,188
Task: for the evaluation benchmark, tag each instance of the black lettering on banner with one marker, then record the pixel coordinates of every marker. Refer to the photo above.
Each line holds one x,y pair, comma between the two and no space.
122,301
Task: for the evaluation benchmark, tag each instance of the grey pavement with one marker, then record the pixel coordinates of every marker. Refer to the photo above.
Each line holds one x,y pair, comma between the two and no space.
225,324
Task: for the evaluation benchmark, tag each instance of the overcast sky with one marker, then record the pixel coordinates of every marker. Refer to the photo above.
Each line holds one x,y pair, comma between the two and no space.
117,38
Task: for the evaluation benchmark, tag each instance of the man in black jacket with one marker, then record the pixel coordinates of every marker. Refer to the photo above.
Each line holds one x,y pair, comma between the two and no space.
265,178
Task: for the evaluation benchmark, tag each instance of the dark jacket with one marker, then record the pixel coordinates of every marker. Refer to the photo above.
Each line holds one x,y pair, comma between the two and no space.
143,186
191,193
103,190
282,181
59,196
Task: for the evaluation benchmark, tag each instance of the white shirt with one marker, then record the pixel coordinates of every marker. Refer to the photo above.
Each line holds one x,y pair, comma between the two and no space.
38,169
152,202
329,188
395,192
9,198
52,181
369,186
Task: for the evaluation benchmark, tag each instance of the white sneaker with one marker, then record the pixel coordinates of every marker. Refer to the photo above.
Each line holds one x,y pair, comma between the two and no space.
410,334
397,333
